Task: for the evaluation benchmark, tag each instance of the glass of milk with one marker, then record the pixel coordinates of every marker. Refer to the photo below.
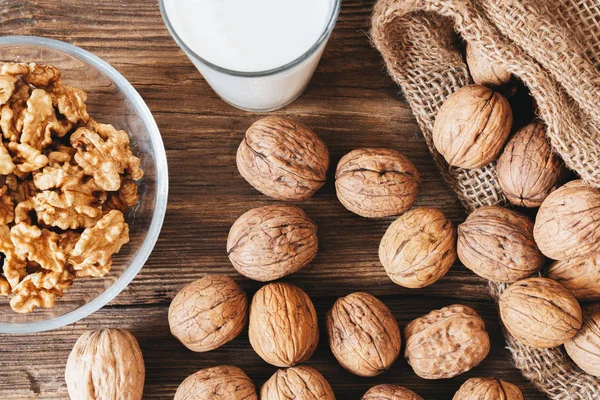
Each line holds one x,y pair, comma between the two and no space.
258,55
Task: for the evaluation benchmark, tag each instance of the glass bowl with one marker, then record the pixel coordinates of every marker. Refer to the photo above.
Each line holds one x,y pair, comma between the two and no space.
111,99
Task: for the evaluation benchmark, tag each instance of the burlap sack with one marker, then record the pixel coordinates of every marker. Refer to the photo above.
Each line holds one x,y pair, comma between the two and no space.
553,46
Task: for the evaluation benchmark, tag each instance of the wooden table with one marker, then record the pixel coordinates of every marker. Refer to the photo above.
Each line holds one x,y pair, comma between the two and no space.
350,103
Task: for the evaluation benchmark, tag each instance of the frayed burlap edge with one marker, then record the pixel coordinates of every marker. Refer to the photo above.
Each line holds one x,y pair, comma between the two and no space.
417,41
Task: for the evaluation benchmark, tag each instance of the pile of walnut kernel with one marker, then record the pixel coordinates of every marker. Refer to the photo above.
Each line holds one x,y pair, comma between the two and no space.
66,182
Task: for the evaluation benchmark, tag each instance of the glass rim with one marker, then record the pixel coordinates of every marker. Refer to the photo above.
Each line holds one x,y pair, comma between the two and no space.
162,188
251,74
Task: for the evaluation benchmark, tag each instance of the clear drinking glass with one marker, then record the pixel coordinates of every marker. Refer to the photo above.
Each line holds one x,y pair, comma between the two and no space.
111,99
264,90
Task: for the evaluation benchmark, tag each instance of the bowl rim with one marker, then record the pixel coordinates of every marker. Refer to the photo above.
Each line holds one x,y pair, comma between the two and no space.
162,187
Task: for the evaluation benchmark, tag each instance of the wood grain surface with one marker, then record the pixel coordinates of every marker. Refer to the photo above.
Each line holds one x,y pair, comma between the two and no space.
350,103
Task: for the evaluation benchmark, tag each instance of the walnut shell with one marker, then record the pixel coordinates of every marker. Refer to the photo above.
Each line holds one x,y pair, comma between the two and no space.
446,342
218,383
283,326
270,242
208,313
102,356
488,389
376,183
584,347
472,126
497,244
363,334
390,392
297,383
540,312
418,248
528,170
283,159
568,222
484,71
580,275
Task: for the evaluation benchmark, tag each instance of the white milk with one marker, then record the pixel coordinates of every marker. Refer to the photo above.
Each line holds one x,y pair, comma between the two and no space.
245,40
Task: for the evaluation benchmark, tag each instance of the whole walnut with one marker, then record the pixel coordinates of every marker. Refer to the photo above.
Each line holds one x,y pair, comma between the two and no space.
224,382
390,392
418,248
488,389
568,222
208,313
580,275
472,126
584,347
376,183
283,326
297,383
270,242
105,364
283,159
540,312
497,244
363,334
484,71
528,170
446,342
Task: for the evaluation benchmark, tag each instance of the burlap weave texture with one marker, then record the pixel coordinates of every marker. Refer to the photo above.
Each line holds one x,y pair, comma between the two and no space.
553,46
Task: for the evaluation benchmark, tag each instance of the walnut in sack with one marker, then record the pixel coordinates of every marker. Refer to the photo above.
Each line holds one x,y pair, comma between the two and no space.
446,342
270,242
376,183
581,275
540,312
106,364
283,159
484,71
50,184
472,126
528,170
224,382
208,313
418,248
298,383
497,244
584,347
567,224
390,392
363,334
283,327
488,389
